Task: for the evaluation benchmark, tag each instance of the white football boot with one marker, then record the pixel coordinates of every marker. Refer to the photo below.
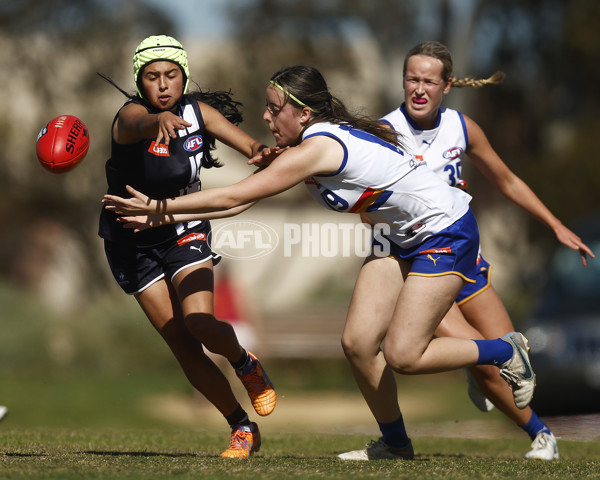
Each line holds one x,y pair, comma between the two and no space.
3,411
379,450
544,447
476,395
517,371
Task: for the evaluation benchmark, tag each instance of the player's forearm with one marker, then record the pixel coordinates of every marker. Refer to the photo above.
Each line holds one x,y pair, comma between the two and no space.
190,217
203,202
520,193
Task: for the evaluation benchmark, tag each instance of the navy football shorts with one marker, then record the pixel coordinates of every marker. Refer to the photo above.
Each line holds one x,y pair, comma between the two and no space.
136,268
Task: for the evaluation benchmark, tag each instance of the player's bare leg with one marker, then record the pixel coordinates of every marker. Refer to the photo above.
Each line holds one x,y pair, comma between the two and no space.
161,305
371,308
409,348
194,288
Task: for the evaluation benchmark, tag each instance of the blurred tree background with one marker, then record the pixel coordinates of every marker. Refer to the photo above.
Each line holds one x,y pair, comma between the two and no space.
542,120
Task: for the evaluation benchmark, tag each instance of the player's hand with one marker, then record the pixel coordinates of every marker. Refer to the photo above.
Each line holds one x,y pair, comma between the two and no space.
168,125
266,156
143,222
138,204
571,240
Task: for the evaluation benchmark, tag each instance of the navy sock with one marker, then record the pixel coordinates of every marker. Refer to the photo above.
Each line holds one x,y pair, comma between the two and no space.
493,352
241,363
535,426
238,417
394,433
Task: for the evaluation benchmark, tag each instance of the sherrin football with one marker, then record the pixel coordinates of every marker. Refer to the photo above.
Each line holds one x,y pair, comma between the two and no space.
62,144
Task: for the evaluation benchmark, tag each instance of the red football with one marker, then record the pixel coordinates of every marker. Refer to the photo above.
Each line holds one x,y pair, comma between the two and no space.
62,144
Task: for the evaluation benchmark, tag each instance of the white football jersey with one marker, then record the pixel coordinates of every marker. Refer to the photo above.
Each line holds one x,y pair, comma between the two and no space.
441,147
387,185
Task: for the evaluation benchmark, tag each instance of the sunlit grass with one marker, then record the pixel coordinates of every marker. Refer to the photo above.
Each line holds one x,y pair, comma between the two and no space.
97,395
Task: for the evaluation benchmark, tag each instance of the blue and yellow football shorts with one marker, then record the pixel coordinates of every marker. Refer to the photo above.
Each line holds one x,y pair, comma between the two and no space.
453,250
483,280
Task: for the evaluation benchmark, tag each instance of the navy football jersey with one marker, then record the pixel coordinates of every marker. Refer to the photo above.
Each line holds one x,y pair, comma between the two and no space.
159,171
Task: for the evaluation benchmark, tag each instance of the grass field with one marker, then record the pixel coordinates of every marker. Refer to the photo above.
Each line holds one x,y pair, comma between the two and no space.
98,396
191,454
151,426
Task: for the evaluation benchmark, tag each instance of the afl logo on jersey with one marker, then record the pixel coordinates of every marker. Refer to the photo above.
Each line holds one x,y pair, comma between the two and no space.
452,153
193,144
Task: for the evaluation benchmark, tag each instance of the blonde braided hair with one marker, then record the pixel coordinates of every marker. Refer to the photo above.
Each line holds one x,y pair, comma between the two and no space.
495,79
440,52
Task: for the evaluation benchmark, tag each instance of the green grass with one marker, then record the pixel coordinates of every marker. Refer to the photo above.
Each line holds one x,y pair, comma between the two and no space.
94,427
104,453
97,395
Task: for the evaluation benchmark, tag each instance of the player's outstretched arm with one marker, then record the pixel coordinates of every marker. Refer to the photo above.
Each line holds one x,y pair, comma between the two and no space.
316,155
490,164
144,222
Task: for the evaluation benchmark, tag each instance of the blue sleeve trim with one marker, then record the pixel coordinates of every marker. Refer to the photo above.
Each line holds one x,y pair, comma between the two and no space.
464,127
344,162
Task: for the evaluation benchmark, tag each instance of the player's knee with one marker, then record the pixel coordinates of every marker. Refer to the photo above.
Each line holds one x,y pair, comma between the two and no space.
202,325
353,347
402,361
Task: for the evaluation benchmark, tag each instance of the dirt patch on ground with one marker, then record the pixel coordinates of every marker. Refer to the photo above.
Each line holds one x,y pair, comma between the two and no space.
347,413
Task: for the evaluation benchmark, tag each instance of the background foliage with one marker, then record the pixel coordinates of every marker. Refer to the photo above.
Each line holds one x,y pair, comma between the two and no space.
542,120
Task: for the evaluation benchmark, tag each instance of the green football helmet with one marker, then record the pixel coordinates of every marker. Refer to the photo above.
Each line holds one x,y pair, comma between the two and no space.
160,48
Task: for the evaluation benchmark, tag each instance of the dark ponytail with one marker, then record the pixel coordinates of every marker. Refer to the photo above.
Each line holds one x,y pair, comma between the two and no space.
304,86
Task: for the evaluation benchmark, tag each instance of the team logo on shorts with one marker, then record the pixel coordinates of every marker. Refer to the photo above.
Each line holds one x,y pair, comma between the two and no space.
122,278
434,260
192,237
443,250
435,251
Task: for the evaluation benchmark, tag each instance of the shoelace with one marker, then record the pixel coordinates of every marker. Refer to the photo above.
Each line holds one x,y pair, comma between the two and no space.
511,376
540,441
374,443
254,381
239,441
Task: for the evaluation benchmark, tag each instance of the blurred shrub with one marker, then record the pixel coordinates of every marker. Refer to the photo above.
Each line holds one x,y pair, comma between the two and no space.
108,337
